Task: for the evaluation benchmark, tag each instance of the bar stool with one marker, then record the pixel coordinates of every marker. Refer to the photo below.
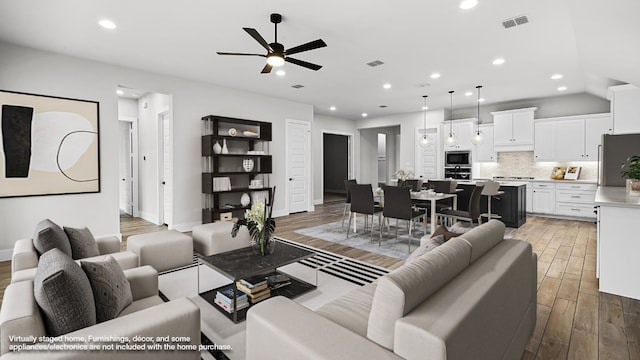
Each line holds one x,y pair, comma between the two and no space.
491,189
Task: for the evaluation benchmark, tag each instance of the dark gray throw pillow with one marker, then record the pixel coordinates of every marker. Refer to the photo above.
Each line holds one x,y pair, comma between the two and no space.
48,235
63,293
111,289
83,244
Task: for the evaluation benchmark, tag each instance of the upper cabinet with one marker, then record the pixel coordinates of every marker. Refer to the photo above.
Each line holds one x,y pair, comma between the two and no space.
463,131
625,108
513,130
570,138
485,152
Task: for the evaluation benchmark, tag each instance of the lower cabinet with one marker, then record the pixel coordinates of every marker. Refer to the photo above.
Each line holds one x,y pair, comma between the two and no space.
543,198
564,199
511,205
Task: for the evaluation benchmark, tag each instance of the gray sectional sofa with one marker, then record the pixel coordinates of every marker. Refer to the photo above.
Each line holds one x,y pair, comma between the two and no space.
474,297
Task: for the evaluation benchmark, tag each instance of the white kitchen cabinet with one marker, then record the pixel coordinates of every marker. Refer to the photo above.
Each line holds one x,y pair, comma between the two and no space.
463,130
545,140
575,199
625,108
543,198
569,141
485,152
594,129
513,130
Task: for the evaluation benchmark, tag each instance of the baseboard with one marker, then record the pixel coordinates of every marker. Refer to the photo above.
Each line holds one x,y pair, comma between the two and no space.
278,213
150,217
5,254
184,227
318,201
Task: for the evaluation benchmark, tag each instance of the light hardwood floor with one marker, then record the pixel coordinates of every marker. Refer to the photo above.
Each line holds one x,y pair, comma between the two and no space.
574,320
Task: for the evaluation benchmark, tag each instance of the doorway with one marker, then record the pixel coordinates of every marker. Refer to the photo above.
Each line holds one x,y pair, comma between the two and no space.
128,166
298,159
336,156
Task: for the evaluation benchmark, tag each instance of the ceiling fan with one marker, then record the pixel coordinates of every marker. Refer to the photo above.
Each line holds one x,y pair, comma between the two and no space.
276,54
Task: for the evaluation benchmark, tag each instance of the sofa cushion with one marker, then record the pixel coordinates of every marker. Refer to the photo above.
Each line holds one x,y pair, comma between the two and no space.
111,290
403,289
484,237
63,293
83,244
425,246
351,310
48,235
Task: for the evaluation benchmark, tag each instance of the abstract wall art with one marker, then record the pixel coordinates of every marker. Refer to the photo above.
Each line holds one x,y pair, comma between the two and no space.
49,145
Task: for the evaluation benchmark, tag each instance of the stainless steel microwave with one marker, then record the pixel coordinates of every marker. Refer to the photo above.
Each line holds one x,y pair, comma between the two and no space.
457,158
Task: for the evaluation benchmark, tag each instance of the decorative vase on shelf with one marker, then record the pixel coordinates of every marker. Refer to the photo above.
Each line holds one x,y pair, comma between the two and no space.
245,199
247,165
225,150
633,187
217,149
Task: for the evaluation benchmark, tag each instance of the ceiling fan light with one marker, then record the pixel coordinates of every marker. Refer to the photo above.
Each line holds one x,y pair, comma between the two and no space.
478,138
275,60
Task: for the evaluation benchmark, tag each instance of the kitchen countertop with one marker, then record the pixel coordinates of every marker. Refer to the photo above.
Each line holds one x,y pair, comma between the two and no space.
566,181
502,183
616,196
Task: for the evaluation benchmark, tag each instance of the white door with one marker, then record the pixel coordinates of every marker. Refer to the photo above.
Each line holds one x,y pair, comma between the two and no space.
126,167
427,157
166,200
298,164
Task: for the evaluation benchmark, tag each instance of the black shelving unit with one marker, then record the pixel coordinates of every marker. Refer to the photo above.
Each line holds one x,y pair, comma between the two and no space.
241,136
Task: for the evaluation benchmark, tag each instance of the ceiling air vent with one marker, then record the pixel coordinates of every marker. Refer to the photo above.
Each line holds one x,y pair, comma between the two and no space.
297,86
375,63
382,106
515,21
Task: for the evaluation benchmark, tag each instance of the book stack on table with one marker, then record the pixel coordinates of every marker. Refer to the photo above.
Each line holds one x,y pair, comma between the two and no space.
255,288
224,299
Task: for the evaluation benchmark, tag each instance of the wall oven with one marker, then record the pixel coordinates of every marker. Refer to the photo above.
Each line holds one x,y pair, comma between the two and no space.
457,158
457,172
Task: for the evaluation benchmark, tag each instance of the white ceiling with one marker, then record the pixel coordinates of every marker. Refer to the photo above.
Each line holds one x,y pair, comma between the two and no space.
593,43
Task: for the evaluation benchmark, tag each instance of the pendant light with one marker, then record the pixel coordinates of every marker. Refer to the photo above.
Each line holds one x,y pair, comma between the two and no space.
451,139
425,141
478,136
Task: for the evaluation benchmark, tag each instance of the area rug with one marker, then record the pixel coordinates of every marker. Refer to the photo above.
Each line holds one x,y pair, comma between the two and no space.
336,275
390,245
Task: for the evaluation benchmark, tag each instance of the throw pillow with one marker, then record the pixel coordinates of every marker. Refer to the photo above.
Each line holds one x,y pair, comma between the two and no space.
111,289
83,244
429,245
442,230
63,294
48,235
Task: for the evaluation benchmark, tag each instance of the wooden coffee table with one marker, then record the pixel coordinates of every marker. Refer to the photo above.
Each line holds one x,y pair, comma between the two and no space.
244,263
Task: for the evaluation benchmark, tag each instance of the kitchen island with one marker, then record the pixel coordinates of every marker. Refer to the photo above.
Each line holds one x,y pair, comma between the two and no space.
511,206
618,242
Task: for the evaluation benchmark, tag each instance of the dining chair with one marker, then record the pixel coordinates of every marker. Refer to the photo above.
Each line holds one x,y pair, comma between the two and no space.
439,186
362,203
347,203
414,184
472,215
398,205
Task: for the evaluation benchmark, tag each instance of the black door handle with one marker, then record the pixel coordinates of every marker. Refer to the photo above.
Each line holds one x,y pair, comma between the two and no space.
290,179
164,183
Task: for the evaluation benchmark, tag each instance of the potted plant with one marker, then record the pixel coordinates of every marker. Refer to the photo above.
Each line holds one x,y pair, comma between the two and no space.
260,224
631,171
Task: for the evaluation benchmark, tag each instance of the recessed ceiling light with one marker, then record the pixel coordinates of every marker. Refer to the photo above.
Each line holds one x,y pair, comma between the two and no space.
333,108
364,114
562,88
425,108
468,93
498,61
387,86
481,100
119,92
281,73
556,76
435,76
468,4
107,24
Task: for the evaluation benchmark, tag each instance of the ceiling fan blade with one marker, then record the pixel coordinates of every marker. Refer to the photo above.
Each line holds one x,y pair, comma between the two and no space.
306,47
242,54
308,65
254,34
266,69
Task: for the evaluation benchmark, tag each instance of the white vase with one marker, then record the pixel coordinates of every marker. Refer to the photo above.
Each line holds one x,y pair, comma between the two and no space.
247,165
225,150
245,200
217,149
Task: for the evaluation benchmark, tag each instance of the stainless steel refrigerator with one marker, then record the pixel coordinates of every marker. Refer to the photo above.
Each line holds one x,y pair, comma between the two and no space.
615,149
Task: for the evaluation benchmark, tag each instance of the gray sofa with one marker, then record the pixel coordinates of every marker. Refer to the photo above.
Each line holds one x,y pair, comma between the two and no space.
148,315
474,297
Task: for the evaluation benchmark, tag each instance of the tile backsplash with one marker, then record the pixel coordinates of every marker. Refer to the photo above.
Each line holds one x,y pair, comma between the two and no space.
521,163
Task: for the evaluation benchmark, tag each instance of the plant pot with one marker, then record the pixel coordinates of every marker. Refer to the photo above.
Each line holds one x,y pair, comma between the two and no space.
633,187
263,247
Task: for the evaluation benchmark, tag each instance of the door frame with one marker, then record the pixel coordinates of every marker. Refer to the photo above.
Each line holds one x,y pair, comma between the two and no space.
160,166
307,171
134,172
350,156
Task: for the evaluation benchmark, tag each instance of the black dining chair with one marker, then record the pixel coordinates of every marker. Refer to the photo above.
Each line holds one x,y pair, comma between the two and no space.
398,205
472,215
362,203
414,184
347,204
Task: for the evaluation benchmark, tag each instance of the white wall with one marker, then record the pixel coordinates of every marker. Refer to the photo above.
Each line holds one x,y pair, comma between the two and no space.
324,123
127,108
34,71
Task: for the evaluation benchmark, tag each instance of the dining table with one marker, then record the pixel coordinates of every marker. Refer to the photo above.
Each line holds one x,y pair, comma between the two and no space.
424,195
